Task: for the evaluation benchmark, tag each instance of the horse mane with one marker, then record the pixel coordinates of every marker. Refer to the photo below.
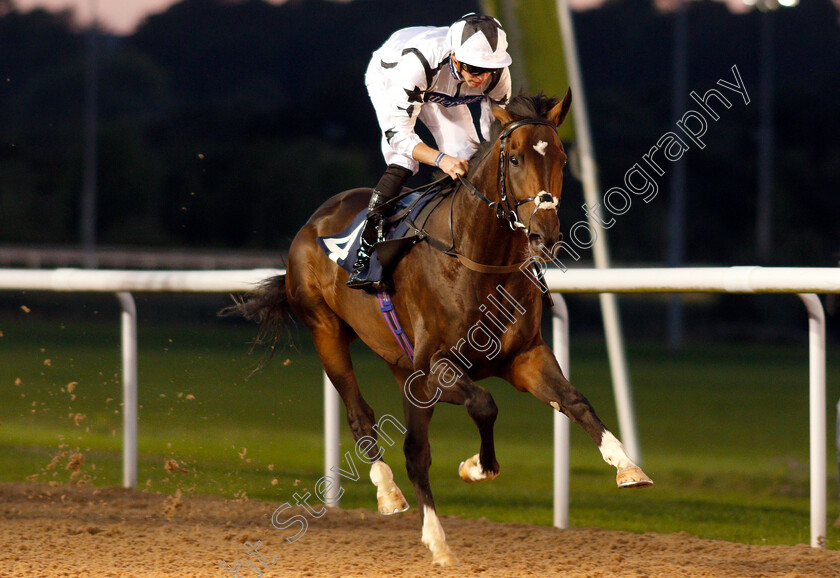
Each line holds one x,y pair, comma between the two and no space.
520,106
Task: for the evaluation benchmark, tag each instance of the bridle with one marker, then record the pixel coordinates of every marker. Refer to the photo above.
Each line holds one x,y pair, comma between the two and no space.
506,208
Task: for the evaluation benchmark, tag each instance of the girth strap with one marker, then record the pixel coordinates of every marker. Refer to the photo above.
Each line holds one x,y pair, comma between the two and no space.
386,306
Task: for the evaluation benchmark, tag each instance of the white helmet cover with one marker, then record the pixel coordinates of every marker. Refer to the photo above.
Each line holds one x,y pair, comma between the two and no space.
479,40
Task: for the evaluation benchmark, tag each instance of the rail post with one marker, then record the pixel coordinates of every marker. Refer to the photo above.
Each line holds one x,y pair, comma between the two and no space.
129,369
560,344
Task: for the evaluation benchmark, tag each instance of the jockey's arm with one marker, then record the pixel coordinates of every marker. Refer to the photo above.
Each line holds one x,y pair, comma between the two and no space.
452,166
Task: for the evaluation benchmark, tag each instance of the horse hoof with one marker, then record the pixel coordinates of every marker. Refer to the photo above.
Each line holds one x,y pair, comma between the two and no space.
392,502
471,471
632,477
445,559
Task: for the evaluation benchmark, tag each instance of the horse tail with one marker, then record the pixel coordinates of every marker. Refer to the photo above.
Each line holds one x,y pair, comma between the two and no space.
268,305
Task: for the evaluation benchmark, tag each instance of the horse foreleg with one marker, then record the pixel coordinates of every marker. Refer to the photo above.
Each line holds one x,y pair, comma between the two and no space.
538,372
418,460
481,407
628,475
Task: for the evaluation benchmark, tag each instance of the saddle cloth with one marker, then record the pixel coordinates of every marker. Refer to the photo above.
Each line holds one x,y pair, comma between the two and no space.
343,247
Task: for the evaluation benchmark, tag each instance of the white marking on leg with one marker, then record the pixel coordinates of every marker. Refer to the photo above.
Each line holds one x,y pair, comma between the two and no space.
380,473
433,534
471,471
613,451
388,495
540,147
435,539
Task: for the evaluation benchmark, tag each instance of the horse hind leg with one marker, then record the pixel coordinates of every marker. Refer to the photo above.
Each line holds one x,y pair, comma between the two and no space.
389,497
434,538
418,460
332,344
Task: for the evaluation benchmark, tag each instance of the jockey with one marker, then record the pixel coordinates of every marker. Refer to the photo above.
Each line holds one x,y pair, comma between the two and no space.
431,74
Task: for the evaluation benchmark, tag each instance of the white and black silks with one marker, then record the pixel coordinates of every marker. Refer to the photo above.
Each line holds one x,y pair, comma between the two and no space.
412,77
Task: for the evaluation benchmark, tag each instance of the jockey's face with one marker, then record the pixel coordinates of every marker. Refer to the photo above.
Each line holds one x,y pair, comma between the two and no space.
473,76
475,80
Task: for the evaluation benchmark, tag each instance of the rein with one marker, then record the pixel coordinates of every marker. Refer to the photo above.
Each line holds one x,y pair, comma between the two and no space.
504,208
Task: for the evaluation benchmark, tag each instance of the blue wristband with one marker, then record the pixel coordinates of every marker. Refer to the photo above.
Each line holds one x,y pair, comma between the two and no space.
438,159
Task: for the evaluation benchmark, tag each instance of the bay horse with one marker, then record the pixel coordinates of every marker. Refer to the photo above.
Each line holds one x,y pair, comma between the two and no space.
468,309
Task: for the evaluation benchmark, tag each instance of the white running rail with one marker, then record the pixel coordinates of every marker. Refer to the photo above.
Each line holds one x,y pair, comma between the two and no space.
803,281
123,283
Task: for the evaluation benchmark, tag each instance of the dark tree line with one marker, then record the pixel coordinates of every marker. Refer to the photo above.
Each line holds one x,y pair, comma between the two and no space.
224,124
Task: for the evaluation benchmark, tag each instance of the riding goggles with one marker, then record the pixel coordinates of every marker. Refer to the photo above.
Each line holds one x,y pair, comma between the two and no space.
476,70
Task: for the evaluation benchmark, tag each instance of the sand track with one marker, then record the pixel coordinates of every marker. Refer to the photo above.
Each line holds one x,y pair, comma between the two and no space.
94,532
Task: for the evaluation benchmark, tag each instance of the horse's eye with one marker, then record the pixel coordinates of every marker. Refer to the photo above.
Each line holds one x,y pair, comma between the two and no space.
514,161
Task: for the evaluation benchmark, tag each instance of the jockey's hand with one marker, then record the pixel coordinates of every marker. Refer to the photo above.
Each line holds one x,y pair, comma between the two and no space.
453,166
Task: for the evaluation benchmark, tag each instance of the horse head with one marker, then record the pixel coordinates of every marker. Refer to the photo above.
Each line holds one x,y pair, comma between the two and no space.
531,161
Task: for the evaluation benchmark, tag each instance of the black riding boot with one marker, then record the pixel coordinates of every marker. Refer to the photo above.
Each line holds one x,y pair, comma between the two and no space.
388,187
370,235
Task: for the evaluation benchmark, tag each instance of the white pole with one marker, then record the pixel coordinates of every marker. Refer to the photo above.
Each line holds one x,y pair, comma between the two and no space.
837,438
816,362
560,343
332,433
600,250
129,363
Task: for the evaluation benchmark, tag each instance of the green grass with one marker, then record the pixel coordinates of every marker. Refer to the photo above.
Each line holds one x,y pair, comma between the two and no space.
723,428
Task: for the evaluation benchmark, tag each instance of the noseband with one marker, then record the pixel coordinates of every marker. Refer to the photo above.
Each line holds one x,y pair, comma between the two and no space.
505,207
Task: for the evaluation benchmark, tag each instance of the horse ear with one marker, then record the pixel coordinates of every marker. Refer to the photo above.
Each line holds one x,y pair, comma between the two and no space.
558,114
502,115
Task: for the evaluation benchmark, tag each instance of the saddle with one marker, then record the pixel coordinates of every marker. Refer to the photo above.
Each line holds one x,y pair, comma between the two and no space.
403,229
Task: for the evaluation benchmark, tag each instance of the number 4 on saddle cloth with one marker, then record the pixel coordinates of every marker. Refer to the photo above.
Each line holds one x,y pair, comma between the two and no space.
405,229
